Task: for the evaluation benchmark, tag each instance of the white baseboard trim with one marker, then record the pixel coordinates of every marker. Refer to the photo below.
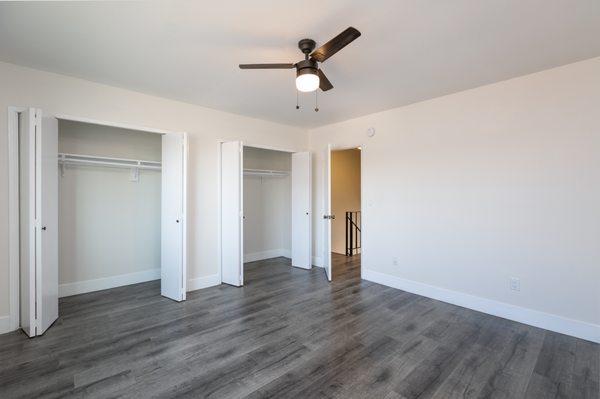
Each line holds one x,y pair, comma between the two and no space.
317,261
272,253
563,325
5,324
203,282
81,287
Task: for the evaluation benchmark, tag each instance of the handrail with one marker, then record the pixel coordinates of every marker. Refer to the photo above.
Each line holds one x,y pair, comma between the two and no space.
355,225
353,233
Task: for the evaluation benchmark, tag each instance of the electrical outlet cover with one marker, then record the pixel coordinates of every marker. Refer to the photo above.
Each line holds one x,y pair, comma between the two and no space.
515,284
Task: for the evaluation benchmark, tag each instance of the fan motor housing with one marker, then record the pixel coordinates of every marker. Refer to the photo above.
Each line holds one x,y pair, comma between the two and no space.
306,67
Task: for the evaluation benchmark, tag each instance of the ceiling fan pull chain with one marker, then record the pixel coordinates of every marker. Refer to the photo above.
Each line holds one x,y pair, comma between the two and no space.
297,104
316,100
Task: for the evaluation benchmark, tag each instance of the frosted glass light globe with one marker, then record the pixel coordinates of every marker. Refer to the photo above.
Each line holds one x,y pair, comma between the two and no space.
307,82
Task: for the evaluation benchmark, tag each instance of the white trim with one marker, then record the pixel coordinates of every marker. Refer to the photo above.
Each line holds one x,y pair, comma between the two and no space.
242,217
13,216
268,147
112,124
219,213
563,325
269,254
5,325
203,282
82,287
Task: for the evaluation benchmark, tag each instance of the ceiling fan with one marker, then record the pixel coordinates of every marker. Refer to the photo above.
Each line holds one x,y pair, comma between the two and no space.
309,76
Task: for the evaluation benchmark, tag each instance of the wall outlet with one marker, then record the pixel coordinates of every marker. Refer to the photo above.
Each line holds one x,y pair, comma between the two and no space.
395,261
515,284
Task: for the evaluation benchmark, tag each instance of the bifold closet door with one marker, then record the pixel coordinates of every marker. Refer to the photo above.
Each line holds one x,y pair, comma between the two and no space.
173,172
301,210
27,225
47,163
232,264
327,216
38,221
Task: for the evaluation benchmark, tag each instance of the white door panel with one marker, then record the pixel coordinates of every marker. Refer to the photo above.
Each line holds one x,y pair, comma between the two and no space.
47,232
38,221
232,267
27,229
301,210
327,215
172,268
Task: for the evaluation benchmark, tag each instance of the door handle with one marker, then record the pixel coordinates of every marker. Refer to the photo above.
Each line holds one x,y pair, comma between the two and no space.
177,221
44,228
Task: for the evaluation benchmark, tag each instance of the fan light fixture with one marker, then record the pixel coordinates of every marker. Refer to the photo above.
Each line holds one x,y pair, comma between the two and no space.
307,82
309,75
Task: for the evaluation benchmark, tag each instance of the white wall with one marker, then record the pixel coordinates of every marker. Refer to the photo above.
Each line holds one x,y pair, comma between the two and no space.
108,226
267,206
468,190
345,193
57,94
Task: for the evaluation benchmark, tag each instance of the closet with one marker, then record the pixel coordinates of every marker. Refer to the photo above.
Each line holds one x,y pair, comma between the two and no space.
109,207
265,207
267,204
94,205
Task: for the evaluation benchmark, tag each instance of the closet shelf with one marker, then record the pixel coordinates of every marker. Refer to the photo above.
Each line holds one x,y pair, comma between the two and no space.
266,173
135,165
93,160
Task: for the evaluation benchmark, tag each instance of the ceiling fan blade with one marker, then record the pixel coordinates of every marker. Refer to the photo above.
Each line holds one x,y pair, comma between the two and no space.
324,83
266,66
335,44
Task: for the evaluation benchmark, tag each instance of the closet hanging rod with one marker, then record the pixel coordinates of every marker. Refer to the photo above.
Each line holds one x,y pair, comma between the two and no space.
78,159
265,172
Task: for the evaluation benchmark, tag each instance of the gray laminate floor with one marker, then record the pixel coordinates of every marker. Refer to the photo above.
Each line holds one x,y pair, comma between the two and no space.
289,333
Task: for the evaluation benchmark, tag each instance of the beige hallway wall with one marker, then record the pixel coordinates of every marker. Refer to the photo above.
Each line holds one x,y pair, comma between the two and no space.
345,193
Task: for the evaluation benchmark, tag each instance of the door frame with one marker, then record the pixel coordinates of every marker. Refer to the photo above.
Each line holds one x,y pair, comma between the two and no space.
13,199
13,216
340,147
219,202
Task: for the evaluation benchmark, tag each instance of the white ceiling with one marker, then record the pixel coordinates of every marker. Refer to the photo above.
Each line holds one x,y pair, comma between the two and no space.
409,50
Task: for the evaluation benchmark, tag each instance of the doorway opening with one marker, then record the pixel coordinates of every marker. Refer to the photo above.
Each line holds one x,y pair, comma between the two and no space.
94,206
343,234
267,204
109,207
345,216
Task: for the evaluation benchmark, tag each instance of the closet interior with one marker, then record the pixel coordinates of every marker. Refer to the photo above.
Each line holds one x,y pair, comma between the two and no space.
109,207
266,204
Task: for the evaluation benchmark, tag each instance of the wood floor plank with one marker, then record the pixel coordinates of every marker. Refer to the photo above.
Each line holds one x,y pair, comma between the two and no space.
290,333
